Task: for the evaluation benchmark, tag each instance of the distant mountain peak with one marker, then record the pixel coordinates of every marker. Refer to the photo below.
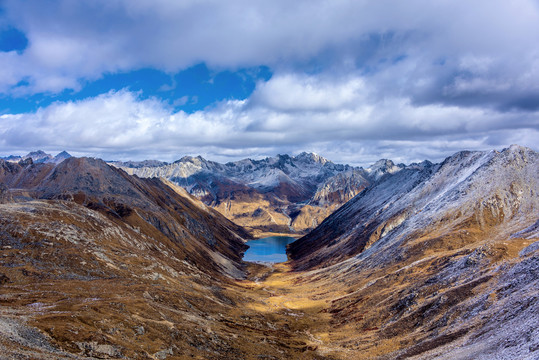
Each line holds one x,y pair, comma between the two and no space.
311,157
38,156
517,148
191,159
281,184
384,162
37,153
64,154
382,167
12,158
61,157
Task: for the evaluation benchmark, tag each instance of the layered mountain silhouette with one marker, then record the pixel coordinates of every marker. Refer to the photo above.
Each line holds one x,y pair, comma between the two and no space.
427,261
282,194
39,156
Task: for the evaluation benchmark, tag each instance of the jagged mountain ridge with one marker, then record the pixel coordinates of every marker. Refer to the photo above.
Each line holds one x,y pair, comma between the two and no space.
302,172
427,260
39,156
277,194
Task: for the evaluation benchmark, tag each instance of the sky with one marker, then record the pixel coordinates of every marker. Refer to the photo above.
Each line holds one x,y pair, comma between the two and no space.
354,81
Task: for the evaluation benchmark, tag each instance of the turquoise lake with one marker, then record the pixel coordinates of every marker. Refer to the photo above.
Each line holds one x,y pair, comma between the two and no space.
271,249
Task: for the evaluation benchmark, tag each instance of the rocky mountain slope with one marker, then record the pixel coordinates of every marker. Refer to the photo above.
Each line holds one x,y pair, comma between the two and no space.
282,194
143,204
435,261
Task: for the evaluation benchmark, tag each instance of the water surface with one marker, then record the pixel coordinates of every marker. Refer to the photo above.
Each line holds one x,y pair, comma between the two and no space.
271,249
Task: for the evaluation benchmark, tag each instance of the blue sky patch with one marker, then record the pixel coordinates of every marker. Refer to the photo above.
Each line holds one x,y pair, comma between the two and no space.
12,39
190,90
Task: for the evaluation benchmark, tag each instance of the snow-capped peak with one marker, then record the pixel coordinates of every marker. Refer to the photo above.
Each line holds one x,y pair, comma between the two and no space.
382,167
311,157
39,156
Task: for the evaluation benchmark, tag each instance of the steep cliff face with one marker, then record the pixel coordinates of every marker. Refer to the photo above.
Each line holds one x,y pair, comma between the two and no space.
427,260
341,188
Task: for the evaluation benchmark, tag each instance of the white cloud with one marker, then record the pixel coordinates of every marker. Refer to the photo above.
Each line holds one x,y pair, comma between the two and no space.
299,93
74,40
406,80
122,125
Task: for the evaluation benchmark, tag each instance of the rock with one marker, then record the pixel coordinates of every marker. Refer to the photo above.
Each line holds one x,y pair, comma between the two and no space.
139,330
163,354
3,279
103,351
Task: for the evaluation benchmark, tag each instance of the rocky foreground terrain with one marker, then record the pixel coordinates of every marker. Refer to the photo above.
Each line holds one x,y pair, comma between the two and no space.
435,261
283,194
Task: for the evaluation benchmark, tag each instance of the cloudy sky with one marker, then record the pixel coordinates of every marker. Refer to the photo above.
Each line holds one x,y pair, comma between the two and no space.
354,81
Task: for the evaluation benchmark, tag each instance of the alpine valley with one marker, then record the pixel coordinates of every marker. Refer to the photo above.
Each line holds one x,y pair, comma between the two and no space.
143,260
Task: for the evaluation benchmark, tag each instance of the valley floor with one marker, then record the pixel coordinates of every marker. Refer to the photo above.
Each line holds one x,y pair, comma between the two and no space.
301,309
266,316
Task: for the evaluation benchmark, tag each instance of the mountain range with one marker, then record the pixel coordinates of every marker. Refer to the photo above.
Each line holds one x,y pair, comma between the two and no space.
283,194
276,195
39,156
427,261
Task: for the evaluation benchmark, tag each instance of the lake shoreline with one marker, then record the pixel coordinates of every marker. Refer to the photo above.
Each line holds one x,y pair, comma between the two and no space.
269,250
264,235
